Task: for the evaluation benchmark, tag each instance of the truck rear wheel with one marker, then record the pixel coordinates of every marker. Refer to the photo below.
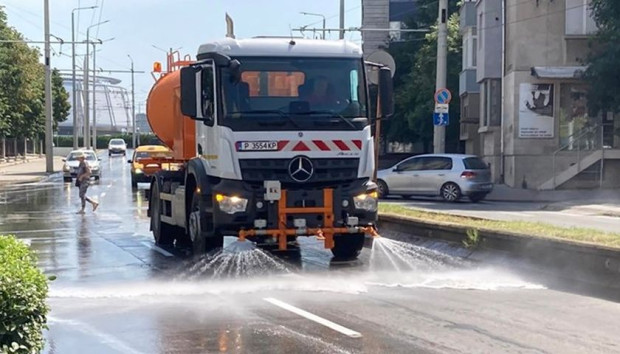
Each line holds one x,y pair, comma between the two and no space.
162,232
348,246
202,234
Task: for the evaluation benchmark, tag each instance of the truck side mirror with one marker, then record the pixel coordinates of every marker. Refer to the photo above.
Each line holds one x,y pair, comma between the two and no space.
190,97
197,93
386,92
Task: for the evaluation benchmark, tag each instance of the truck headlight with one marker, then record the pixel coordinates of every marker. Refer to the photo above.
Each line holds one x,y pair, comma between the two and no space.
66,168
138,171
366,201
231,205
95,168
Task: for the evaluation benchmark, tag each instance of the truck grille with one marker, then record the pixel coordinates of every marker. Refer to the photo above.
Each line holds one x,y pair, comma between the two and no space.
325,170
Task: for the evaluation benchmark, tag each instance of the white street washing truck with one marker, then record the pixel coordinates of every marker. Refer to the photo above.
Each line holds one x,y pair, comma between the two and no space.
275,139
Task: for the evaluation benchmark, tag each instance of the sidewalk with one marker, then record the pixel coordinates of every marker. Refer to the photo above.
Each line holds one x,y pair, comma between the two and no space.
29,171
584,201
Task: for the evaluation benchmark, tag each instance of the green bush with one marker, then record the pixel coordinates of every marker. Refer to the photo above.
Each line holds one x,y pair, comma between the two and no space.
23,291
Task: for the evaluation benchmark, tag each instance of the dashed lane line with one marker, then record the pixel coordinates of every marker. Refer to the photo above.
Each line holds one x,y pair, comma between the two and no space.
312,317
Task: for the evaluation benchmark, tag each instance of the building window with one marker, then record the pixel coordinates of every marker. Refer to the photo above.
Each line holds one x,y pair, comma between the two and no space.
470,54
574,118
579,19
491,102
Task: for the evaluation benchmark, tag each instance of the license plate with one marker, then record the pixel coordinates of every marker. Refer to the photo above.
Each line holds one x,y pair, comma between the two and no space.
257,146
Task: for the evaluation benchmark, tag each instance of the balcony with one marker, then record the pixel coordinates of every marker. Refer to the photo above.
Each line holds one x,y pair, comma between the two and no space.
468,82
468,15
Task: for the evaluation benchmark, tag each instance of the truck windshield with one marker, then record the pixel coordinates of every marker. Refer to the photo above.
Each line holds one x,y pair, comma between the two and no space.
295,93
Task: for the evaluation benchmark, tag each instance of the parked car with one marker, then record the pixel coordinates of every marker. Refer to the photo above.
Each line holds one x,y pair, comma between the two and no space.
117,146
70,167
450,176
148,159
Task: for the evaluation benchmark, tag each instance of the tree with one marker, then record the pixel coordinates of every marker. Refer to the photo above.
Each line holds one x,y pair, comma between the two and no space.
415,58
603,71
60,96
414,99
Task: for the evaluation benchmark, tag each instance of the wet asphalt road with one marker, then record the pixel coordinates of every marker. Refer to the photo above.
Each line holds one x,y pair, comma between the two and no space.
117,293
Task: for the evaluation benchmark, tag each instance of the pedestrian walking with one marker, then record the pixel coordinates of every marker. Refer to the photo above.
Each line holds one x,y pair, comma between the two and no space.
82,181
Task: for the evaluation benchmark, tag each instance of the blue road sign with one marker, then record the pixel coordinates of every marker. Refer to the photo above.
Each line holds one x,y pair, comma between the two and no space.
443,95
441,118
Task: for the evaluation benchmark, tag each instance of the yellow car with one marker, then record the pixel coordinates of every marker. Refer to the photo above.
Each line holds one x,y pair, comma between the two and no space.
147,160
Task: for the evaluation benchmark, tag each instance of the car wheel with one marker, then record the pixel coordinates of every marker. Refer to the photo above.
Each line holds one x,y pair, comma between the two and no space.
134,183
476,197
382,188
450,192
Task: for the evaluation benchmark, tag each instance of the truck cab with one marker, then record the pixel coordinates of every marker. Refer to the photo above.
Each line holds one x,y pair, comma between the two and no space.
284,145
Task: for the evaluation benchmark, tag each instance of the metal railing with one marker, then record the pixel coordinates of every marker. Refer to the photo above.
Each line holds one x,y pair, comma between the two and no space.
588,139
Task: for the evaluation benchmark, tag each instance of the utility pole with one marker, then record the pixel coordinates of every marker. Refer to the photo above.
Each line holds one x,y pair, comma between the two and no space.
133,104
94,97
73,90
49,153
439,132
342,19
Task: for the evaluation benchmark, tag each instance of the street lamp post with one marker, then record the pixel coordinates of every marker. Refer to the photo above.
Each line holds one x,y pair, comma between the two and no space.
73,90
133,104
94,43
49,143
86,84
315,14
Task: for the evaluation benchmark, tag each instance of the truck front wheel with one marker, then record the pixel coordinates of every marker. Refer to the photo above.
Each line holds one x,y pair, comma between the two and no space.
348,246
201,232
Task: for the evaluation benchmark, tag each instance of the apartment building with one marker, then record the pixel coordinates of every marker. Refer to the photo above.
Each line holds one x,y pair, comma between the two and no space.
534,127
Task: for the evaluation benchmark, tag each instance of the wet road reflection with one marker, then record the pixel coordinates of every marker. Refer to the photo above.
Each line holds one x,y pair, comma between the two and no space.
118,293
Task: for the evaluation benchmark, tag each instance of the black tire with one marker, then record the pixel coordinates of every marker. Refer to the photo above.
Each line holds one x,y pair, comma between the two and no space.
163,233
348,246
134,183
476,197
67,179
202,235
450,192
382,189
97,178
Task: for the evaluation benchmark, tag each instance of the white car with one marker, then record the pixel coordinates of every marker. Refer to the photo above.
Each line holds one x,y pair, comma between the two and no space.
117,146
69,170
450,176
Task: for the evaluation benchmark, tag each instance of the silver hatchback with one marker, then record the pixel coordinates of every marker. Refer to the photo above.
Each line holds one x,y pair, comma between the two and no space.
450,176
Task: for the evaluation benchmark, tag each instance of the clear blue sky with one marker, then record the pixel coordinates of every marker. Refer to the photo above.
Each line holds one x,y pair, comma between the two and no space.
136,25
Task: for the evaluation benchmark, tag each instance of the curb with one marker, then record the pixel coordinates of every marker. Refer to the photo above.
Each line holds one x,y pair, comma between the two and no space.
584,263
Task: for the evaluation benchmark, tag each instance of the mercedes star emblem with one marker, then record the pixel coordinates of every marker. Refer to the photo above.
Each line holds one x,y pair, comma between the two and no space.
300,168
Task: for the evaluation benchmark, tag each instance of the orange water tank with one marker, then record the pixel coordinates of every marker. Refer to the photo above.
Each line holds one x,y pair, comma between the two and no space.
163,109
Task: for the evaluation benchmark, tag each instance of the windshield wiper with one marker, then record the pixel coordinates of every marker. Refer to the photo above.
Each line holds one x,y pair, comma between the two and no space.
269,111
332,114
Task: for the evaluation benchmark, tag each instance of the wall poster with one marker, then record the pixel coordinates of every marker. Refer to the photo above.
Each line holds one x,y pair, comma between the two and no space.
536,111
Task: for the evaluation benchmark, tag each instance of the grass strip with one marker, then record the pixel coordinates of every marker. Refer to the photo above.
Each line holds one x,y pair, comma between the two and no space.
539,229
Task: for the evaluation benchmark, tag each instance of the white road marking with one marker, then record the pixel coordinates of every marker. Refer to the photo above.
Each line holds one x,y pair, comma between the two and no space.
157,249
313,317
104,338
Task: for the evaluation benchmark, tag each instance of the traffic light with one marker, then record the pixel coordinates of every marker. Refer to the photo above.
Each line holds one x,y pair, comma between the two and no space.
157,67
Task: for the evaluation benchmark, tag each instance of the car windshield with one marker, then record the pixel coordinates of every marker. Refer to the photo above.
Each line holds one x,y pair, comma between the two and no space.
474,163
89,156
117,142
289,93
152,154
